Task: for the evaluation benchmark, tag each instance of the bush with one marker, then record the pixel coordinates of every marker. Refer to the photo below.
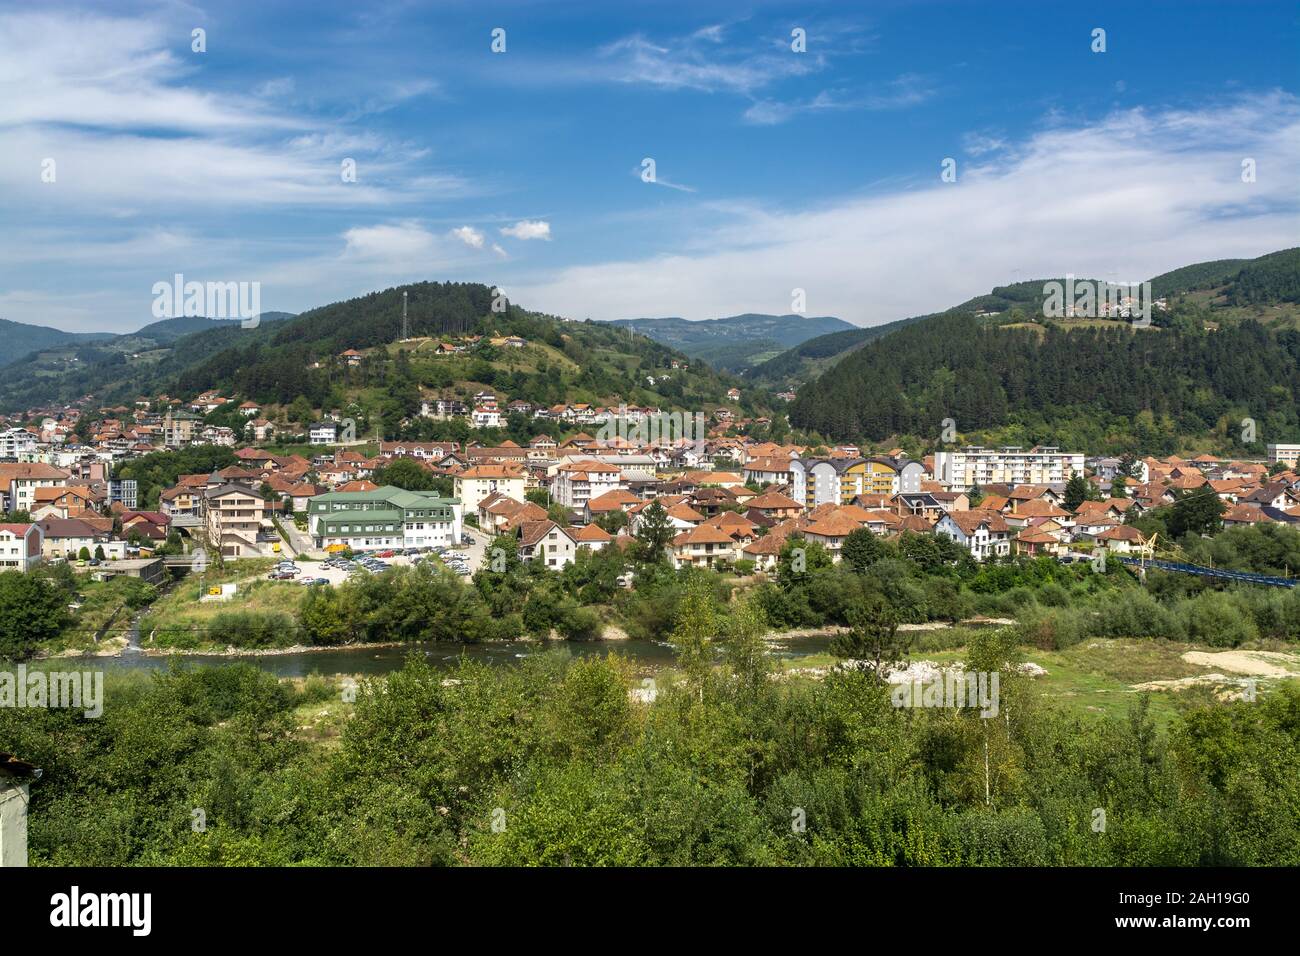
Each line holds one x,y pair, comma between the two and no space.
1214,618
253,629
1052,629
1134,613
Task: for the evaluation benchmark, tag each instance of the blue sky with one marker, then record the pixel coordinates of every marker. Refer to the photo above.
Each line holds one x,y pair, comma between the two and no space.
776,170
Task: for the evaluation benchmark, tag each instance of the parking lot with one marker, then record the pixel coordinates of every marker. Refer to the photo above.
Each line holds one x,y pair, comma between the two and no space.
471,555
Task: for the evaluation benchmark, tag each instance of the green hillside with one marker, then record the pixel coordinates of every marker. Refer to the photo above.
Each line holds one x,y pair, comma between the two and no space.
1183,385
18,339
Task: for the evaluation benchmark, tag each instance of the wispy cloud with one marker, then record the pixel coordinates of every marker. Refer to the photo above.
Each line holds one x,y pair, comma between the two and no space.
1141,191
904,91
705,61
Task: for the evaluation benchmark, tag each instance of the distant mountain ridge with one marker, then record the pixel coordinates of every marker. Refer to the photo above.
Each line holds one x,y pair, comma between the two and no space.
43,364
735,342
18,339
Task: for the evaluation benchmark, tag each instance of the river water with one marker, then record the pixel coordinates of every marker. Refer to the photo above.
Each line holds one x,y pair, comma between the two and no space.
646,655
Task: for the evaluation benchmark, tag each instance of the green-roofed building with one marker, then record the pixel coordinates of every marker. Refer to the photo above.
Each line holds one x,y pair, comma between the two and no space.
386,517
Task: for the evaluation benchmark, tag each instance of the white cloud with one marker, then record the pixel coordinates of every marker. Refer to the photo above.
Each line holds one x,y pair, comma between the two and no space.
117,110
499,251
1137,193
469,235
528,229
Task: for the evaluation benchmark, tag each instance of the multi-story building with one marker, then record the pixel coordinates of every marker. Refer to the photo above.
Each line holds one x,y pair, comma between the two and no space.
386,517
985,534
477,482
20,546
974,466
703,546
123,490
323,433
578,482
182,501
233,516
19,481
179,428
1288,455
547,542
15,442
484,417
65,537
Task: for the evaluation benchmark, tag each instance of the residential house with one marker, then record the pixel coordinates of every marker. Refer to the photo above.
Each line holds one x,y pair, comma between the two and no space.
985,534
19,481
703,546
547,542
578,482
20,546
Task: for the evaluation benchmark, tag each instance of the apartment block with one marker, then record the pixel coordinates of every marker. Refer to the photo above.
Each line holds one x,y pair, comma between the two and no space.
972,466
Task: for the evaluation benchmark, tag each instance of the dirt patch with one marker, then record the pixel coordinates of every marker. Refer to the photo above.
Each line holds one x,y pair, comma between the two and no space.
1252,663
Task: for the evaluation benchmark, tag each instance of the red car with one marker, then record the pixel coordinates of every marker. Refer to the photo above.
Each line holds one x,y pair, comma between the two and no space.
385,554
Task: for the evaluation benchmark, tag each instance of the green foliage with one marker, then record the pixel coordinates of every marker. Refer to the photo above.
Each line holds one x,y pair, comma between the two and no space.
32,610
552,763
159,470
409,474
654,533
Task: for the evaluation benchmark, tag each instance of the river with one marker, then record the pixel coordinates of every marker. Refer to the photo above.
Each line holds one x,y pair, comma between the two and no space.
647,655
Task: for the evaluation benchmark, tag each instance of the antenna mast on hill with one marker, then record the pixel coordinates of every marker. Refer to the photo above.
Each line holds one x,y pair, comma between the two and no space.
405,330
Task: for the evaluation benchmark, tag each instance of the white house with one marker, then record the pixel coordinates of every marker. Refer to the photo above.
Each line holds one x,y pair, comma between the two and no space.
324,433
547,542
984,533
20,546
578,482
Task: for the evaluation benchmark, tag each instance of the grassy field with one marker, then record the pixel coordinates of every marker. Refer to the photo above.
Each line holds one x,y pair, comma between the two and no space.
1101,676
181,608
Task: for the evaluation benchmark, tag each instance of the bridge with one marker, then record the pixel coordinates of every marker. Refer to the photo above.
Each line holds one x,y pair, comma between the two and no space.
1182,567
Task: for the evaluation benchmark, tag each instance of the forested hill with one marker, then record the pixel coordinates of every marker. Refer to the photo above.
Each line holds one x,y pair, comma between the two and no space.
558,361
1087,386
1233,288
18,339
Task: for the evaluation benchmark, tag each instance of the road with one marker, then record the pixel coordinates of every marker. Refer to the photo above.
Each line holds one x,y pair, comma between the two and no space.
296,542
